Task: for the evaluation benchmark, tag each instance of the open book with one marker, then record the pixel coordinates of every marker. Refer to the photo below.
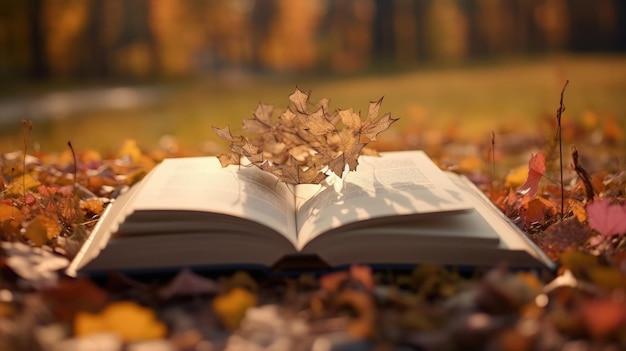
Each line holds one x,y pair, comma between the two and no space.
396,209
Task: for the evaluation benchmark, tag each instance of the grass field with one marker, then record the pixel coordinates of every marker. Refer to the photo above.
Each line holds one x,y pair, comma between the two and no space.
477,99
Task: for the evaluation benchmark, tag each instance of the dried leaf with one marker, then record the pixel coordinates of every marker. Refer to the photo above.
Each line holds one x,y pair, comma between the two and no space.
41,229
606,217
131,150
578,209
371,130
20,184
300,144
350,119
128,320
225,134
263,113
94,206
536,169
317,124
231,307
8,212
300,100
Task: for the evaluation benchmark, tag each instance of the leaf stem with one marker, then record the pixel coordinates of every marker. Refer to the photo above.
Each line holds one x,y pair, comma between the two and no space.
559,113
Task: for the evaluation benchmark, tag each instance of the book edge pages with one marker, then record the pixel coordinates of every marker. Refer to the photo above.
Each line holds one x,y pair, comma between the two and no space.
111,218
530,246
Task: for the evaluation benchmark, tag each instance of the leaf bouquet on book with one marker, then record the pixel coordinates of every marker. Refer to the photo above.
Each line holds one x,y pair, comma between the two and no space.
306,140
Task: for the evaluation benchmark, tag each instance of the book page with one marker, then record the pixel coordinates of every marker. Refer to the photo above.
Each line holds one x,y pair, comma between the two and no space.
201,184
394,184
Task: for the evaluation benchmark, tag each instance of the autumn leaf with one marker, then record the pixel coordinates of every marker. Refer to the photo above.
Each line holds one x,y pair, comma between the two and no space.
347,157
606,217
8,212
371,130
225,134
41,229
300,145
20,184
536,169
318,124
300,100
231,307
131,322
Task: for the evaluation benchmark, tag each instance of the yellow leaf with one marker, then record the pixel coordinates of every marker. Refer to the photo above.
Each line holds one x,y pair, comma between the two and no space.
470,164
51,224
36,232
128,320
231,307
93,206
9,212
43,228
578,209
130,149
516,177
16,188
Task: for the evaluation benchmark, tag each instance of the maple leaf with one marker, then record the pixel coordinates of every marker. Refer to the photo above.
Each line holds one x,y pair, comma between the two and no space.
347,157
536,169
372,127
225,134
300,145
318,124
606,217
300,100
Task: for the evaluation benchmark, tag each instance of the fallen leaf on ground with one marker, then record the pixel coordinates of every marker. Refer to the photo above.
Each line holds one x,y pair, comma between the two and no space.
130,321
231,307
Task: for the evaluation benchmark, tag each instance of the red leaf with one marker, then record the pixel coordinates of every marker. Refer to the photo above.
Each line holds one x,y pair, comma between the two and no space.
536,169
607,218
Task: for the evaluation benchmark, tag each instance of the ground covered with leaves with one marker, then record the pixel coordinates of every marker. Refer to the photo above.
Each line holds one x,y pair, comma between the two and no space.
51,202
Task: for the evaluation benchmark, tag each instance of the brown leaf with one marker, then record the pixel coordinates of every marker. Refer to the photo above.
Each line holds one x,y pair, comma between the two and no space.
300,100
256,127
317,124
263,113
229,159
225,134
350,119
348,157
372,111
370,130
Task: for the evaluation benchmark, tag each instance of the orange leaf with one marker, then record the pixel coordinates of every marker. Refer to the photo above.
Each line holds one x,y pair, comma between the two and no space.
8,212
231,307
128,320
94,206
578,209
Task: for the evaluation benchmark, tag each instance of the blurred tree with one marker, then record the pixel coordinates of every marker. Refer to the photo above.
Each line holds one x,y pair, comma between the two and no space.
39,65
384,41
350,40
292,41
64,23
446,31
140,38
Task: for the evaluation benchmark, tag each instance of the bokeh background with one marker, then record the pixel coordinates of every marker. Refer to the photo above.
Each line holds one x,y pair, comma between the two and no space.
97,72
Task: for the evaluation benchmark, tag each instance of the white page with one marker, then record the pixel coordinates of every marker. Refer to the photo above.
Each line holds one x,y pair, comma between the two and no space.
201,184
397,183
